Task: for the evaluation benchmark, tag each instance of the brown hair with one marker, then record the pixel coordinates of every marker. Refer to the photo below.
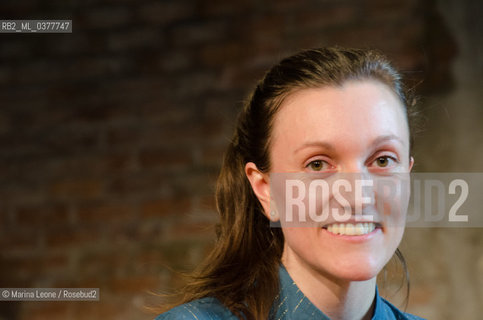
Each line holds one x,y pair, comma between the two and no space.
242,270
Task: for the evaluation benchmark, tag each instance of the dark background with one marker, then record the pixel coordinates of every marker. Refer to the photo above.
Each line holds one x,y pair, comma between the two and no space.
112,137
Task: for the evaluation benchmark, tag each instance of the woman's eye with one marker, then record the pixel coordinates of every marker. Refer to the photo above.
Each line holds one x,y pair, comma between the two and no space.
317,165
384,161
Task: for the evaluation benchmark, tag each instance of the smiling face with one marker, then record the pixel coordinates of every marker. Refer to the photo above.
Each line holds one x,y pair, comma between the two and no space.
361,128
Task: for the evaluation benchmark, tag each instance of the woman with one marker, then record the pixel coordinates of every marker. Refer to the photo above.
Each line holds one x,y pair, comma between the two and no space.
328,111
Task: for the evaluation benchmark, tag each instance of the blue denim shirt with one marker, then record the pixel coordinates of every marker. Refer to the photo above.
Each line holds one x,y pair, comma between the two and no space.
292,304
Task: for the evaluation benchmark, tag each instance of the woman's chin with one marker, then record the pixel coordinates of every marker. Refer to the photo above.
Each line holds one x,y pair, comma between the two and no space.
360,276
358,271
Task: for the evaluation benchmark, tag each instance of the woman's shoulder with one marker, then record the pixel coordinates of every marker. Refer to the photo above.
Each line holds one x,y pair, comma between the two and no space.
201,309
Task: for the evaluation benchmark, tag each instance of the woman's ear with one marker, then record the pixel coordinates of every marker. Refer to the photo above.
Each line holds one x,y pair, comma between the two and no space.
261,187
411,163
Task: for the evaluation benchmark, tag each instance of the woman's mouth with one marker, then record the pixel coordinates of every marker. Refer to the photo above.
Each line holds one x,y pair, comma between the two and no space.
352,229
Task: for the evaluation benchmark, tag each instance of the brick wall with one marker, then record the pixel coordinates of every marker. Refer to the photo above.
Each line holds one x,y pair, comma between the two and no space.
111,137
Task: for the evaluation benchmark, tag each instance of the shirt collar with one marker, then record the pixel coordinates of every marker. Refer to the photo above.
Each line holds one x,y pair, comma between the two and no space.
291,303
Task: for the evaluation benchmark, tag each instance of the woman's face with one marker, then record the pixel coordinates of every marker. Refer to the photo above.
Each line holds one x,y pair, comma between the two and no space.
359,128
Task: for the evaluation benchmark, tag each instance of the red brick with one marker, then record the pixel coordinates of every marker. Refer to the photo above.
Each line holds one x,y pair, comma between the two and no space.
192,230
95,112
39,215
73,237
104,309
77,189
88,68
165,207
80,281
410,59
199,33
324,17
200,183
389,11
289,5
47,310
166,12
6,217
104,213
135,185
200,82
69,46
220,8
134,39
242,78
207,203
366,36
149,259
117,162
225,53
176,136
91,165
70,139
176,253
175,61
133,284
34,71
106,17
52,263
120,136
266,28
164,157
25,267
17,240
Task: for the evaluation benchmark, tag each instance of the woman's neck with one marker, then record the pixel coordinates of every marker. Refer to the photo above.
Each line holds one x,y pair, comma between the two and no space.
336,298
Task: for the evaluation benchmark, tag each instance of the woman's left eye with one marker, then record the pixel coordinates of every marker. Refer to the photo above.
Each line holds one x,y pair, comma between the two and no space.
384,161
318,165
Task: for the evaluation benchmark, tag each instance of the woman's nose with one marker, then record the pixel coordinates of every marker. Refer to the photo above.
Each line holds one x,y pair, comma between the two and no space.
358,191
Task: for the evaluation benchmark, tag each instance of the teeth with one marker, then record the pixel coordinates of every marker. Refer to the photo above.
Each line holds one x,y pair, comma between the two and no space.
351,229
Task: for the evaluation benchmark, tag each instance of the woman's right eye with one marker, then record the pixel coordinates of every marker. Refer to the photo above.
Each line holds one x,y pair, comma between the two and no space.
317,165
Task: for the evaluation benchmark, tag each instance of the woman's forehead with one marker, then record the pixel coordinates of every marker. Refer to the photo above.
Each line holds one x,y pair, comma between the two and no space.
358,108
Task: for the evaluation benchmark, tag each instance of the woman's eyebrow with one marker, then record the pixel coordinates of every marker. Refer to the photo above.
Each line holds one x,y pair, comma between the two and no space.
330,147
388,137
322,144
